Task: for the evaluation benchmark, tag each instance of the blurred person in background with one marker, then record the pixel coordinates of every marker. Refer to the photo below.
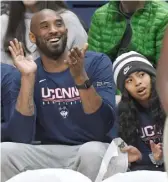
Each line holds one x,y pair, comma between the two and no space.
4,7
122,26
16,24
162,74
162,87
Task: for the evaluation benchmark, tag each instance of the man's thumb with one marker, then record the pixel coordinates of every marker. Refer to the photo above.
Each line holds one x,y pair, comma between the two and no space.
85,47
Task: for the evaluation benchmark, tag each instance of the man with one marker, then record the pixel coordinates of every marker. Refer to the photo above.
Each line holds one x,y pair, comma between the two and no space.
123,26
65,105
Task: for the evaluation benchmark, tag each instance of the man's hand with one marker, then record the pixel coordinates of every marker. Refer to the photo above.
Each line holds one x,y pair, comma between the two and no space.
133,153
156,150
26,66
76,64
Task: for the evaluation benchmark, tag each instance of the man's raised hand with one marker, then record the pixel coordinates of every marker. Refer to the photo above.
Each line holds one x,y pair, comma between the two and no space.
26,66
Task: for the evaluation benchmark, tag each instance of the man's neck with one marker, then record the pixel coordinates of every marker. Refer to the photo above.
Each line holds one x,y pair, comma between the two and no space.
131,6
54,66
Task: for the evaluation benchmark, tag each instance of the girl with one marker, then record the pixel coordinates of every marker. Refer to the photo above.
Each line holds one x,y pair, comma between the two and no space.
16,24
141,117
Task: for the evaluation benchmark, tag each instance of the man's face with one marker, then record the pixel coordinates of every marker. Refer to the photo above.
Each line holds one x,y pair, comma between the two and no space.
51,35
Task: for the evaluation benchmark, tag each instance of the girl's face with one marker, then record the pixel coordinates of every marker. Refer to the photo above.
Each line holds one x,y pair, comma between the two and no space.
138,84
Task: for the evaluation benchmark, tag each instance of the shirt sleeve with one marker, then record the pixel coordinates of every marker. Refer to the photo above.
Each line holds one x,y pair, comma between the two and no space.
145,159
102,78
16,127
6,103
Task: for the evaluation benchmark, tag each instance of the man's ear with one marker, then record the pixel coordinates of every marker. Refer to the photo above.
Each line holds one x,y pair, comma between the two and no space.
32,37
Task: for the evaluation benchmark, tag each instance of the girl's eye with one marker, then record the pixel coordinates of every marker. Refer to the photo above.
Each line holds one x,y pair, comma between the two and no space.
141,74
129,81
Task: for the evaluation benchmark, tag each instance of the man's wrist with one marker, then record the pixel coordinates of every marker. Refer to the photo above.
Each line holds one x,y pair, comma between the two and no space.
29,76
28,79
81,79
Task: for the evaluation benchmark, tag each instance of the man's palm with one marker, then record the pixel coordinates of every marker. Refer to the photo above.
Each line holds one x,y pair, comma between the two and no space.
25,65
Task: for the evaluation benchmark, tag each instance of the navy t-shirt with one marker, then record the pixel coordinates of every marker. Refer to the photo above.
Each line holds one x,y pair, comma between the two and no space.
146,132
59,116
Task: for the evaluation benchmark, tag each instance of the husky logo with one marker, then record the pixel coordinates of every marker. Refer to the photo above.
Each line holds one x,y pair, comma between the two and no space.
126,69
64,112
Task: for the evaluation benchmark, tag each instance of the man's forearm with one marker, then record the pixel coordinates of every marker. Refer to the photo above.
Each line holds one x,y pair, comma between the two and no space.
25,101
91,101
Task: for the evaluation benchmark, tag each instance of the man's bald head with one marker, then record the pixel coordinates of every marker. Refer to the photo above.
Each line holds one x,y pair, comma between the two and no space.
49,33
42,16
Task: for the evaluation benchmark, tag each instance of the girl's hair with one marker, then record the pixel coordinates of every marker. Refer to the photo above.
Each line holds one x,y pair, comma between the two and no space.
16,24
128,121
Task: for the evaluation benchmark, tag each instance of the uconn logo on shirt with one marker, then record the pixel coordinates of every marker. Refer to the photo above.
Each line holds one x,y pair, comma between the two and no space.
62,97
149,132
60,94
64,112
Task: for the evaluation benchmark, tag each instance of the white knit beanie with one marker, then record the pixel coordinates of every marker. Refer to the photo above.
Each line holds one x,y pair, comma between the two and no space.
128,63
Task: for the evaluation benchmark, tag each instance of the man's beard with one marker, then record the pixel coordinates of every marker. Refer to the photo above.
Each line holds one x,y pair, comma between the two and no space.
53,52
